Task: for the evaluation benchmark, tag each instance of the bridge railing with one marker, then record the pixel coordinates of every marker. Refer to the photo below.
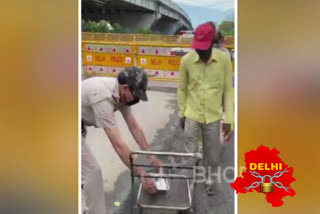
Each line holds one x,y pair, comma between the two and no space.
146,38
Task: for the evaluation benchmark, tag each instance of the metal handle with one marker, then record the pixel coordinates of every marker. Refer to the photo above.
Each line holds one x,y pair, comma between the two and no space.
192,155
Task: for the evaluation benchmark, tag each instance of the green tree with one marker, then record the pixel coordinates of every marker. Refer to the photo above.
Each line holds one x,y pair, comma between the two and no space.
227,28
144,30
85,26
91,26
117,28
103,26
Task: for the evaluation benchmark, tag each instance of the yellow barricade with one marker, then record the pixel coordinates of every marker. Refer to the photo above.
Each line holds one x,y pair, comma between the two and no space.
108,59
170,63
106,54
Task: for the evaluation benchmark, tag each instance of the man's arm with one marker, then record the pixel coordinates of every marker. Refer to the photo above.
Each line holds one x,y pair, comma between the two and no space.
138,135
124,154
120,147
104,117
228,92
182,88
136,131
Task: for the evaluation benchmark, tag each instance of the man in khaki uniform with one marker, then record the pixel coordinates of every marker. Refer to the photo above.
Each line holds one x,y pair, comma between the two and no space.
101,97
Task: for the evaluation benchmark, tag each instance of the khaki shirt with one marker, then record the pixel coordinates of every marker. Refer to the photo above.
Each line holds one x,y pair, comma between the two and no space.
99,100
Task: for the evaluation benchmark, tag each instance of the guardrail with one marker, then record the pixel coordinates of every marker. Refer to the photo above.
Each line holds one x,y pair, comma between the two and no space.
145,38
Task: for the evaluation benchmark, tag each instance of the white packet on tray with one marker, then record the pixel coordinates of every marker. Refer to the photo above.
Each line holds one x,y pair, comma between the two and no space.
162,184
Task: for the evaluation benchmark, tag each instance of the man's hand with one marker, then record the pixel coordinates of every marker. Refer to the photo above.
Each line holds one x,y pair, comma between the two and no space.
148,184
156,162
226,131
182,122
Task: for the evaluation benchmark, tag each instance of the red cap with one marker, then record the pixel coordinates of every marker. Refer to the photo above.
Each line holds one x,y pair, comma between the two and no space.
203,37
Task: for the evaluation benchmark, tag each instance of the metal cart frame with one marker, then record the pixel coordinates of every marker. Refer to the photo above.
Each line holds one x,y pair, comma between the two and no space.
183,209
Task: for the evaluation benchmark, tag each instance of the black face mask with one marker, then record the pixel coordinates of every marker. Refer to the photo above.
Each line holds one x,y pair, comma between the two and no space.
204,55
132,102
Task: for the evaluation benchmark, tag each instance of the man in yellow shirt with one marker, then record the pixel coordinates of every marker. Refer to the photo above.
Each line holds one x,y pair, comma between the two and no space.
205,76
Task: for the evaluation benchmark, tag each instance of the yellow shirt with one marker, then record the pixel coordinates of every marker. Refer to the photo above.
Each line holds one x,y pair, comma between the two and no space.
202,85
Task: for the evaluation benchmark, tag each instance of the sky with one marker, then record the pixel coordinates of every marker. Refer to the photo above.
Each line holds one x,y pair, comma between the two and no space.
201,11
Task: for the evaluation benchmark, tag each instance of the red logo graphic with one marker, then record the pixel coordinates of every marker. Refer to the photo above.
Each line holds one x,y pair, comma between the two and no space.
266,173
